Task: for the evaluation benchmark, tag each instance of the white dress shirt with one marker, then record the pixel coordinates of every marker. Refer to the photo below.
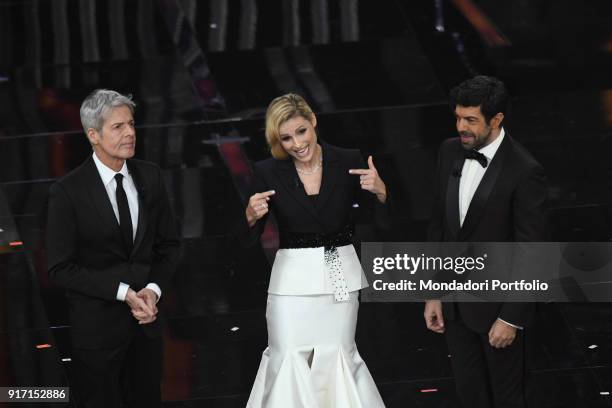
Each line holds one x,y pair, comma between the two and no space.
472,173
471,176
110,184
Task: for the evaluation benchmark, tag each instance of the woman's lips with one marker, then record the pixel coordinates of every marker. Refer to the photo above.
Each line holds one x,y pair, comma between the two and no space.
302,152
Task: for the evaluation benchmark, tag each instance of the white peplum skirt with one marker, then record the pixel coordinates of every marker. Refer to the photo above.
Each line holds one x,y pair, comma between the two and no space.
311,360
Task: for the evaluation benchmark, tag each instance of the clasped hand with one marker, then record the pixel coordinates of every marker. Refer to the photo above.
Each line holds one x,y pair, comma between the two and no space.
142,304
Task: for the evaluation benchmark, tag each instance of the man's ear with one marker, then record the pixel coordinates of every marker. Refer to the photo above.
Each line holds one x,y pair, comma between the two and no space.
93,136
497,120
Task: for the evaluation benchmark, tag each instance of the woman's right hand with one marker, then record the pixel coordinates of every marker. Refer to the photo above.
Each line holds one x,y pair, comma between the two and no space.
258,206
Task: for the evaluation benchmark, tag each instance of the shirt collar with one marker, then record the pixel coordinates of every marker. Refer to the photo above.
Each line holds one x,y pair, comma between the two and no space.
106,173
490,149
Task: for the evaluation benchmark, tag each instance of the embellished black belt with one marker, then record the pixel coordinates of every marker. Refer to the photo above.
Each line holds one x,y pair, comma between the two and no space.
316,240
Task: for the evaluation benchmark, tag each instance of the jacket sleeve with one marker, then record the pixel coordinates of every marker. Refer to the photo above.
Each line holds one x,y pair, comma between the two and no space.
250,235
62,264
530,225
529,207
167,245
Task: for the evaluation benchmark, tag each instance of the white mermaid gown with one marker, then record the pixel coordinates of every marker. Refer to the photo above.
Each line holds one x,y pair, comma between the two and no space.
312,360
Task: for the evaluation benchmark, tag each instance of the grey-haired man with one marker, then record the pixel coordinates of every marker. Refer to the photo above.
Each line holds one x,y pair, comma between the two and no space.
113,245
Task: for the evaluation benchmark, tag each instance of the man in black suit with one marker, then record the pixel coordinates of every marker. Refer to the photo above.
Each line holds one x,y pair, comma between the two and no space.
488,189
112,244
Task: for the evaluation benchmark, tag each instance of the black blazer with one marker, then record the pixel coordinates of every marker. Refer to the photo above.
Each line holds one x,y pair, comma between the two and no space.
509,205
87,257
330,212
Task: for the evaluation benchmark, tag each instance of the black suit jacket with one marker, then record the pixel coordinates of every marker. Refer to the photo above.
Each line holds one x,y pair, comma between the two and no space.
87,257
333,208
508,205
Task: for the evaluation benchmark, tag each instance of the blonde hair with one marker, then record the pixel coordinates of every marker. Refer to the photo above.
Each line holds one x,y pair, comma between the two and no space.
280,110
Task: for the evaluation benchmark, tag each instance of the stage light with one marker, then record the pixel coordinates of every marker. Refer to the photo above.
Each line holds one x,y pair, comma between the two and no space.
43,346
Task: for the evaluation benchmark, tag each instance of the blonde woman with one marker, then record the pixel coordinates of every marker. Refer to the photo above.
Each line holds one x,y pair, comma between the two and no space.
311,187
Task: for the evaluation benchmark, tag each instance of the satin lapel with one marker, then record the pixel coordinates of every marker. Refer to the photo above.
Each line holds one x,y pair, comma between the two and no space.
485,187
143,215
285,170
331,171
101,202
452,195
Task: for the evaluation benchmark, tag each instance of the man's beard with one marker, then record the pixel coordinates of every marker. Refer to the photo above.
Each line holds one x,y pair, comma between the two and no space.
478,142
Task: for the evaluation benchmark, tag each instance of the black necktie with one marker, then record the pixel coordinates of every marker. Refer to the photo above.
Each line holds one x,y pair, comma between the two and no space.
476,155
125,219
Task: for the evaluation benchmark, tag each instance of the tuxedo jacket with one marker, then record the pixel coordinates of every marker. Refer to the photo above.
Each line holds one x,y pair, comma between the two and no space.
508,205
331,211
87,257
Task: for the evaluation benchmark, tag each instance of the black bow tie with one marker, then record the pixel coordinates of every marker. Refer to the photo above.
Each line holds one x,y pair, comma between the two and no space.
476,155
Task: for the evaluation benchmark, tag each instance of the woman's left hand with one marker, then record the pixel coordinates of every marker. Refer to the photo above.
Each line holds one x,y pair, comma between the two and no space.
371,181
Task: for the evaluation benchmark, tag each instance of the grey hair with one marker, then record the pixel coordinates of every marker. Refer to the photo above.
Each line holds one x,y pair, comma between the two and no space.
98,104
